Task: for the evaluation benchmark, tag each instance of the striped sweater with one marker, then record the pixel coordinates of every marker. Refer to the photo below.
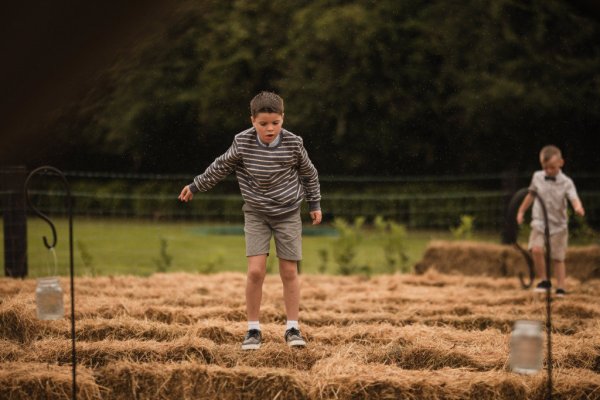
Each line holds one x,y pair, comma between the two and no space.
273,180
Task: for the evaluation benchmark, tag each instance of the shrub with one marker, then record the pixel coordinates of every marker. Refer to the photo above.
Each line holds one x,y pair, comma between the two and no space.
86,257
464,230
164,260
392,237
346,245
324,258
214,263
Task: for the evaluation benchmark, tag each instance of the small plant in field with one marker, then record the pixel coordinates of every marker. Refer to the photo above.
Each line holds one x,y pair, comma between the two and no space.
580,231
324,258
215,263
164,260
392,237
86,257
464,230
346,245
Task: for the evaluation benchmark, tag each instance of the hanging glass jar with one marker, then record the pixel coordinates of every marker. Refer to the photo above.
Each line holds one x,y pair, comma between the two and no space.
49,299
49,295
526,347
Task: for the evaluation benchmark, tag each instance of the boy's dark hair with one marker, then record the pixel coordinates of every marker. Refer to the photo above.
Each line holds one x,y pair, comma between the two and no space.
548,152
267,102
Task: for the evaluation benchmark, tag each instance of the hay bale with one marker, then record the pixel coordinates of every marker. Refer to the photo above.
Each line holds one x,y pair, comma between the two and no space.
124,328
274,355
568,384
10,351
218,333
476,258
16,322
428,357
44,381
583,263
432,348
19,323
126,380
338,378
98,354
467,258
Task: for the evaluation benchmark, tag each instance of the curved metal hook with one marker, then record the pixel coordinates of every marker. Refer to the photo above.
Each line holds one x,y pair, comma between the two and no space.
512,233
46,169
530,266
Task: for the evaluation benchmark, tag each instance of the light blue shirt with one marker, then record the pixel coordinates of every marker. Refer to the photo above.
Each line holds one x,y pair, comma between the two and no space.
274,143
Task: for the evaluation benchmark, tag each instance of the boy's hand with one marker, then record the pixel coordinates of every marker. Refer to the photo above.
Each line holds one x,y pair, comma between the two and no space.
520,217
186,194
578,207
316,217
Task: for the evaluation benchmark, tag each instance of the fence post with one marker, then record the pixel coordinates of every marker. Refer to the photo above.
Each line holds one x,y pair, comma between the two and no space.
12,180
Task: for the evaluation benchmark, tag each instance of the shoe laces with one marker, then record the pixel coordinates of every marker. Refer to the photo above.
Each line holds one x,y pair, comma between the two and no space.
253,333
292,331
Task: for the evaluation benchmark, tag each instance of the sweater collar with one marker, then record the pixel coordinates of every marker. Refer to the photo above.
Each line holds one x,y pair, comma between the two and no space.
275,143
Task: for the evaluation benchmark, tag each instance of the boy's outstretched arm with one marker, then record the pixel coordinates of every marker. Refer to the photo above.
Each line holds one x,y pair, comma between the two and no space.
527,202
216,172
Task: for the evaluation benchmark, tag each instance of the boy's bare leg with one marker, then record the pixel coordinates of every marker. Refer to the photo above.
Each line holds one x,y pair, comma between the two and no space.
537,253
288,270
257,268
561,273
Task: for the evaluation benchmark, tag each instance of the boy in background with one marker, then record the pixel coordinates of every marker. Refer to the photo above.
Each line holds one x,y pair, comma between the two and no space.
554,188
274,174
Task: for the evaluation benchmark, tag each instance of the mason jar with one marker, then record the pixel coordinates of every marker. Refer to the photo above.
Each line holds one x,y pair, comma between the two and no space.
526,347
49,299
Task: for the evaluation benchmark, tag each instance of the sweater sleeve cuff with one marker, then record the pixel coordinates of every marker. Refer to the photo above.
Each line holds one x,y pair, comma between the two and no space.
314,205
193,188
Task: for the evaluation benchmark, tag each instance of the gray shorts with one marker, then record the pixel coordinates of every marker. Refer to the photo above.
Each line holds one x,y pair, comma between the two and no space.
287,230
558,243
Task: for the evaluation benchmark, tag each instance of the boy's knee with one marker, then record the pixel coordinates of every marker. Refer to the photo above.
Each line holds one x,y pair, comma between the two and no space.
256,274
537,250
288,271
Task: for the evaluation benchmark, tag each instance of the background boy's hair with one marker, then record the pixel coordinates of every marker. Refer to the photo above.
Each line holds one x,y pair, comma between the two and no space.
267,102
548,152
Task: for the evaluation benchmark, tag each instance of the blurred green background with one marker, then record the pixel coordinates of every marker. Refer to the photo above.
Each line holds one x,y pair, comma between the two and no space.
422,112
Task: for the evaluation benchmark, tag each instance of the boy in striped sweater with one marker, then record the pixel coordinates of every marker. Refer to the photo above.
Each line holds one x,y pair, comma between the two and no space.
275,175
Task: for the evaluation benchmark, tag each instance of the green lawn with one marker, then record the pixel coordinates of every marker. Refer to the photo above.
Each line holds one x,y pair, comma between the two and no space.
104,246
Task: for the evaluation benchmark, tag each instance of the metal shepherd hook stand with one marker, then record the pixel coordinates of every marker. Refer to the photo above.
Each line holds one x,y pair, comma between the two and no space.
512,213
45,170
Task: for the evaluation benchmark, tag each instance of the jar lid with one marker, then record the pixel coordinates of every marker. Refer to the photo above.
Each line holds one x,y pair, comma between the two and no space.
528,324
51,280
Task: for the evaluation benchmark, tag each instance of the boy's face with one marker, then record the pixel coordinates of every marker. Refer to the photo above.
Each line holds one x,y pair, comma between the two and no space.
553,165
267,125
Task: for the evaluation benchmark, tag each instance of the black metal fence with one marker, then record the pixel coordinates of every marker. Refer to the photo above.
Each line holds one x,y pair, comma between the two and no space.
418,202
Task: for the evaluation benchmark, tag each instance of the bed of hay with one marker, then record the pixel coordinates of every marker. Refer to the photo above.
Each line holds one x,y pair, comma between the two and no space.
177,336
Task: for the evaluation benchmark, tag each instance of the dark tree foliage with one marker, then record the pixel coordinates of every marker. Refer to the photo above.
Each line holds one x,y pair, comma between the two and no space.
374,87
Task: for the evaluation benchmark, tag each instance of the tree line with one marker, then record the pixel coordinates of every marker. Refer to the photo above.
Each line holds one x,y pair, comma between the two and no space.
374,87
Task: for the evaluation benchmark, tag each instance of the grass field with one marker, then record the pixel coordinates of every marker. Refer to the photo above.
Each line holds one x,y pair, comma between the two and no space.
177,336
106,247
